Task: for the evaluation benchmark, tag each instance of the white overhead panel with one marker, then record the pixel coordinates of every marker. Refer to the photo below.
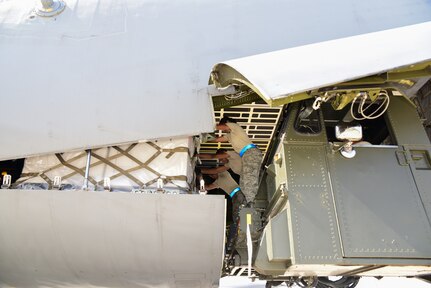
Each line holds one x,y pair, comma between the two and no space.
277,75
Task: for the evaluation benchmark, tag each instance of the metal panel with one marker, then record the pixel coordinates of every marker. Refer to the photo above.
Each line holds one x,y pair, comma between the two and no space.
278,235
378,206
311,206
420,164
261,262
107,72
405,123
102,239
295,70
423,182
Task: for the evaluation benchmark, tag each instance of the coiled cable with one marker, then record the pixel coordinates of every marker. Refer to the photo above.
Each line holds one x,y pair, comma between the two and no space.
362,108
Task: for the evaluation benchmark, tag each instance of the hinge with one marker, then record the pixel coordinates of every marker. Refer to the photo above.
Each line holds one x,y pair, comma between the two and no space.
7,181
402,158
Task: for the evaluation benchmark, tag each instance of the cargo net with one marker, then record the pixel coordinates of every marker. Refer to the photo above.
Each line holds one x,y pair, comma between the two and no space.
140,167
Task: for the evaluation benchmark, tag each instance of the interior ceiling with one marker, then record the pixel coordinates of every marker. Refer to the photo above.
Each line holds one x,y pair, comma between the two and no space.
258,119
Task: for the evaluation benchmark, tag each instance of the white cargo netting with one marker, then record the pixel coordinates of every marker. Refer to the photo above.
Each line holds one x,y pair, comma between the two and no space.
128,167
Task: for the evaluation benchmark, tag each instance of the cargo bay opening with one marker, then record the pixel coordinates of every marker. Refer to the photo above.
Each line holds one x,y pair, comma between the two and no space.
362,209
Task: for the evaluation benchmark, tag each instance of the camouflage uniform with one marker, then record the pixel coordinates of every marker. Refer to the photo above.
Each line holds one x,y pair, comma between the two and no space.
249,181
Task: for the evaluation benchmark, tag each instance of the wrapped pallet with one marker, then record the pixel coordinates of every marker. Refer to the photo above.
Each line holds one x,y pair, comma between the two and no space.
137,166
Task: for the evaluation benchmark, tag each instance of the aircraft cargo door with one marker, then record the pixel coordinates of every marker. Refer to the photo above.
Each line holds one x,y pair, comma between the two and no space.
52,238
381,205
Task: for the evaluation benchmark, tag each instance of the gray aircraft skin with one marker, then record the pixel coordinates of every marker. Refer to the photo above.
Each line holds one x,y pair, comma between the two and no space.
150,59
81,75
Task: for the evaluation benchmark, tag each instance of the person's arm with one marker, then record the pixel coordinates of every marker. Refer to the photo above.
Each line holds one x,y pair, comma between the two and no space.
223,127
211,186
215,170
221,156
220,139
206,156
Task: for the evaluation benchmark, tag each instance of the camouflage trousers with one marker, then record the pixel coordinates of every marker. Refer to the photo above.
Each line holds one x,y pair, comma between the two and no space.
249,182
